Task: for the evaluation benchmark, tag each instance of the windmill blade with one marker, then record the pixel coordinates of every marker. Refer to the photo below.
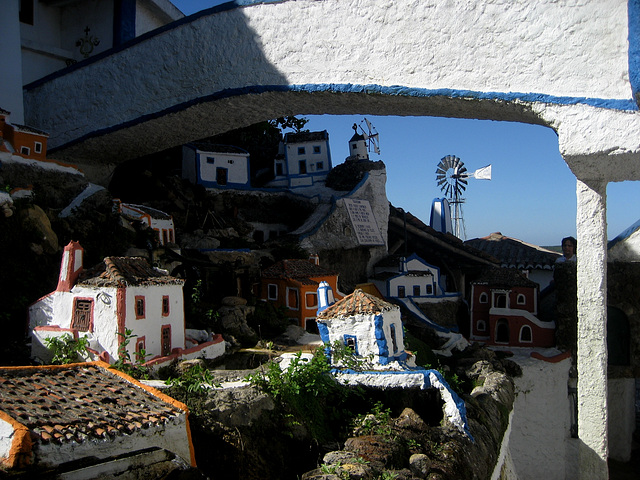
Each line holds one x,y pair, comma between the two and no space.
463,181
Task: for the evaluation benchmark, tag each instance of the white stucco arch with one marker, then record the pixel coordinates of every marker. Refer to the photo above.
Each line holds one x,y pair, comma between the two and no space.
571,65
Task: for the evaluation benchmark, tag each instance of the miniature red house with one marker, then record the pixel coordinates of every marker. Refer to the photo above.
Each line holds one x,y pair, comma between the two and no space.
293,284
504,305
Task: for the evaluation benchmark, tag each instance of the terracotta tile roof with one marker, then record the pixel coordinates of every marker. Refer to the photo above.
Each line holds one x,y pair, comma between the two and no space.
126,271
503,278
296,269
514,253
357,302
78,403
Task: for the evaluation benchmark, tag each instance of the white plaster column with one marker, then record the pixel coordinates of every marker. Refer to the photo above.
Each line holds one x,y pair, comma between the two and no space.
592,329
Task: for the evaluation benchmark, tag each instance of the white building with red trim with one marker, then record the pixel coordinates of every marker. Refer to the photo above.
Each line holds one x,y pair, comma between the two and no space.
157,220
102,303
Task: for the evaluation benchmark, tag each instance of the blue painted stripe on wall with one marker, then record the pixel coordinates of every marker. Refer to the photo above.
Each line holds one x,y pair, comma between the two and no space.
612,104
634,48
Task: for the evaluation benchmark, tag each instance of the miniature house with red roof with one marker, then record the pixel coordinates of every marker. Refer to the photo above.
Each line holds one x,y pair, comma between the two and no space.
102,303
293,284
504,305
366,324
85,419
158,221
21,140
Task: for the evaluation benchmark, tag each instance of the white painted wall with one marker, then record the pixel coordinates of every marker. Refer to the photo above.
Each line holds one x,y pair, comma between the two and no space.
622,417
172,436
6,438
540,427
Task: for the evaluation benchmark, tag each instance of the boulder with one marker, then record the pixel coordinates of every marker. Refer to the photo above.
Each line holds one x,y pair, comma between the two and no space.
35,219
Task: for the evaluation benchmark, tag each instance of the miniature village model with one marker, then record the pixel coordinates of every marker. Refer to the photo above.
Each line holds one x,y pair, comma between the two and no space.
494,361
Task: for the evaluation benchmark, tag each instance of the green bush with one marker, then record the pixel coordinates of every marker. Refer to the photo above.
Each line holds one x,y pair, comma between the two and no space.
67,349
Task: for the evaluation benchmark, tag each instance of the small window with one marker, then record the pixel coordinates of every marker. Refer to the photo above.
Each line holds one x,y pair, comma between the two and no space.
311,299
139,307
293,301
429,289
171,239
401,292
416,290
525,334
230,162
37,147
165,237
522,300
165,305
166,339
211,160
394,341
354,146
272,291
351,343
316,149
320,165
484,298
140,349
301,151
482,326
26,11
25,150
81,320
500,300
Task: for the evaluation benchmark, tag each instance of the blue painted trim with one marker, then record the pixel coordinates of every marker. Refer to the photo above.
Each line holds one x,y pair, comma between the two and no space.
124,21
427,384
381,340
613,104
323,330
634,48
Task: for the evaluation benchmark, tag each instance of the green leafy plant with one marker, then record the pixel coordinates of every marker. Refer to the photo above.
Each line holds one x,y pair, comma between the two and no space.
136,369
376,422
306,393
345,357
194,380
67,349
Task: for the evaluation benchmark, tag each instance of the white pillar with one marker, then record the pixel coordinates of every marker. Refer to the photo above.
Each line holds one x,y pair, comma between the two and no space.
592,329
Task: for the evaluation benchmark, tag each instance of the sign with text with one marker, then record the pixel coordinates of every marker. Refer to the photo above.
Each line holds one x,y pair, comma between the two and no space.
363,221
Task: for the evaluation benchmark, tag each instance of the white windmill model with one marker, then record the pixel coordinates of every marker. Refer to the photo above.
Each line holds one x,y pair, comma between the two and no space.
363,142
451,177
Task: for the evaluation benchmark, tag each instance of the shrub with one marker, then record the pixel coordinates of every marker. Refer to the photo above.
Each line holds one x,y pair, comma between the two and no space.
67,349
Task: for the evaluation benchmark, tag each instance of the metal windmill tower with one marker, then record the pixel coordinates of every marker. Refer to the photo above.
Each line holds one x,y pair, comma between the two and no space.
452,178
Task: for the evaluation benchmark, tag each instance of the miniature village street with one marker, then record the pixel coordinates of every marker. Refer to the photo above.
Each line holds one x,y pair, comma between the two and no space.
197,286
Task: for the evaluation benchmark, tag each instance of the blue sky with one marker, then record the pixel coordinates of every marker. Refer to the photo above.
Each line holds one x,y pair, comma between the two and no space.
530,197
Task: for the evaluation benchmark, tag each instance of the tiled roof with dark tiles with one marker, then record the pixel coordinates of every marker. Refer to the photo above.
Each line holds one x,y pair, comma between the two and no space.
27,129
305,137
514,253
503,278
80,402
451,240
152,212
357,302
126,271
297,269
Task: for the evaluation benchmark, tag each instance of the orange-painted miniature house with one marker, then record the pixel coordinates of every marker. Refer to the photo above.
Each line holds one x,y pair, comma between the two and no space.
28,142
293,284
